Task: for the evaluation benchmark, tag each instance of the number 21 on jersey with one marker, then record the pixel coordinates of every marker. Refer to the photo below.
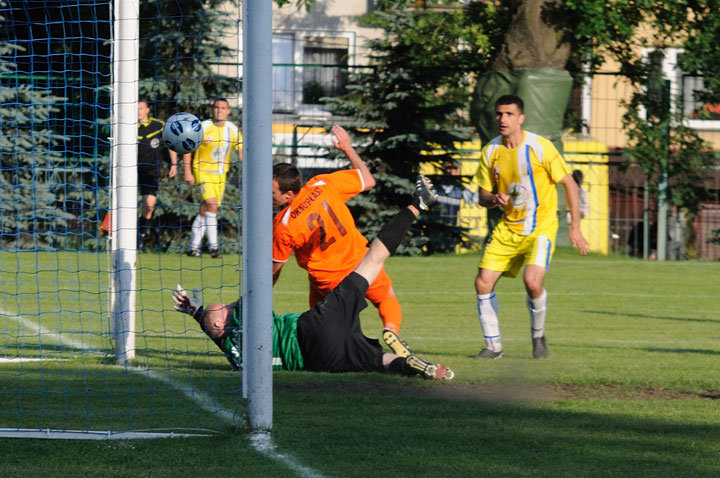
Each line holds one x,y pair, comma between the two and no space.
314,221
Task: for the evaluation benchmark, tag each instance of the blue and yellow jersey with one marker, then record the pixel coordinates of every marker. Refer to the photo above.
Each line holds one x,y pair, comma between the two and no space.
213,155
528,174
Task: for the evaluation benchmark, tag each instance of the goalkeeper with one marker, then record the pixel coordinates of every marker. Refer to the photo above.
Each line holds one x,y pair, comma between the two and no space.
328,337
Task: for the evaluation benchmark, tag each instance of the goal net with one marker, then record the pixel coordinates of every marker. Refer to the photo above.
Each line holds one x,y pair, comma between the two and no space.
59,371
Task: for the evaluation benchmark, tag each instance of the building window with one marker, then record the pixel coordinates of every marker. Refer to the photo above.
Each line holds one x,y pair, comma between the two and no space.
685,86
283,73
307,67
325,62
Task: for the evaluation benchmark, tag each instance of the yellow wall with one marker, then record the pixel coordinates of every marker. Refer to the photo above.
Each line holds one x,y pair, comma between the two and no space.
595,226
470,216
586,154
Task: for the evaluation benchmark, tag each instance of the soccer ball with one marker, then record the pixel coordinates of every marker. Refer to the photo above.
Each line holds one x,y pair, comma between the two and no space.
183,133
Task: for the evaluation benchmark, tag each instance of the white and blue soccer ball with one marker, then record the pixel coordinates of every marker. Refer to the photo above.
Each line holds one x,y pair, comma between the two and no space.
183,133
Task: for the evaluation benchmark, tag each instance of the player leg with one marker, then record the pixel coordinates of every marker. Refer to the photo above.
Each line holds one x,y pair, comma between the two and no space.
501,257
386,242
536,300
147,203
211,226
414,365
198,231
148,186
488,309
211,223
382,295
393,232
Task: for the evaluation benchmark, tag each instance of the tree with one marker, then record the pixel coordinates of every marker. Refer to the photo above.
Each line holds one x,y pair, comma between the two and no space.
660,141
407,103
34,207
180,49
181,46
580,35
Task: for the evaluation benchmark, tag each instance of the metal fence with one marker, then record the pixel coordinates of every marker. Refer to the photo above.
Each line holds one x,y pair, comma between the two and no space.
623,210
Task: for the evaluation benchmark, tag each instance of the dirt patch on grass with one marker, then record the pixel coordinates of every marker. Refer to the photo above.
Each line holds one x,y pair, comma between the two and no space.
622,392
524,392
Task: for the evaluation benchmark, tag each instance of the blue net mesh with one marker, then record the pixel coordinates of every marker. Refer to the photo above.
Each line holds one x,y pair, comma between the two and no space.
58,368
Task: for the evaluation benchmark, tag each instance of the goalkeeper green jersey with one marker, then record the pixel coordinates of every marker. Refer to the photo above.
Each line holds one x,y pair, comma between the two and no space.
286,350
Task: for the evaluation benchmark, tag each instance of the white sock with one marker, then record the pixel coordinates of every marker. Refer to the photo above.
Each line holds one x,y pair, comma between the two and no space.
198,231
538,311
488,307
211,229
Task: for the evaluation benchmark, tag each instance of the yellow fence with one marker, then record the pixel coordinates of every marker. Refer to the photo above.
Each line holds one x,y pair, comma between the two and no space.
308,145
590,156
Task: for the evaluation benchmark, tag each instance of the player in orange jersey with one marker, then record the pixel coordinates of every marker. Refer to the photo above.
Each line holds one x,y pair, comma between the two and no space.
318,227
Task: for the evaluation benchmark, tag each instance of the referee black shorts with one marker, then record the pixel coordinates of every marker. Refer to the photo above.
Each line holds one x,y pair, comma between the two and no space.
148,183
330,336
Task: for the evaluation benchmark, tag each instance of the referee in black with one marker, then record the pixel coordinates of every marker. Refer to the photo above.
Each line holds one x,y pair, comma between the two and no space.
151,154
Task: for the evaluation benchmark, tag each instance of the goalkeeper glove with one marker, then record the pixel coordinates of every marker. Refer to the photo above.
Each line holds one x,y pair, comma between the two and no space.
191,305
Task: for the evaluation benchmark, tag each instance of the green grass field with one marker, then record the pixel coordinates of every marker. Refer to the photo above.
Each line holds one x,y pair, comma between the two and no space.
630,388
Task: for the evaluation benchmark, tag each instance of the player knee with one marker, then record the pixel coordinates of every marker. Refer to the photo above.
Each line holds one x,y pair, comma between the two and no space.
534,287
483,286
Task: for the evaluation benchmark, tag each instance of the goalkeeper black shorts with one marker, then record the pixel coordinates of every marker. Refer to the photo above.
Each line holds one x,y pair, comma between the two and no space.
330,336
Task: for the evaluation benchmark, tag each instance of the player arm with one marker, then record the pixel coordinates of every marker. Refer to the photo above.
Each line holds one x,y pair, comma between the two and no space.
238,146
281,251
276,269
173,163
573,204
342,142
489,200
187,168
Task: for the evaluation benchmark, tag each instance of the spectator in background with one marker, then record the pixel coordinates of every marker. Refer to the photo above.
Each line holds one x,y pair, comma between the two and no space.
577,175
450,196
151,154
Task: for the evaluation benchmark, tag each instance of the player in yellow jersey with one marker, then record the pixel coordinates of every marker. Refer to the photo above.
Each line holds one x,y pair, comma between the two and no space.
210,164
518,172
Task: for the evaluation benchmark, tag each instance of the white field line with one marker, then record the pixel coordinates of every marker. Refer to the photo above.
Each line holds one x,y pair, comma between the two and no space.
40,330
25,359
262,441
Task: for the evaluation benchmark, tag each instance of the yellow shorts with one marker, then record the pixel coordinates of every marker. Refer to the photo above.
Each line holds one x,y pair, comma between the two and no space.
211,186
507,251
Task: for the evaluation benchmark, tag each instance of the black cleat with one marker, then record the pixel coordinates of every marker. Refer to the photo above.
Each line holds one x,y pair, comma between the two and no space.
424,192
540,349
486,353
194,252
215,252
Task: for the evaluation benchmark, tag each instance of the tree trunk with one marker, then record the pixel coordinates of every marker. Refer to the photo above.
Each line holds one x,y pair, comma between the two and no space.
530,41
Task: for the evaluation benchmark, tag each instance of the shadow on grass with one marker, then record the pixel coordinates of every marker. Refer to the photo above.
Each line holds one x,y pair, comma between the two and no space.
645,349
407,430
654,317
680,351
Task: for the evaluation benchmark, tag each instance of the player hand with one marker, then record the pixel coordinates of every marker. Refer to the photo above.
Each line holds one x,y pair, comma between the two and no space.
342,138
501,199
173,171
191,305
578,240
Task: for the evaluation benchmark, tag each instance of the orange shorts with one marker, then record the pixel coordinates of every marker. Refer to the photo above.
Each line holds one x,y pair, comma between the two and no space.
378,291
